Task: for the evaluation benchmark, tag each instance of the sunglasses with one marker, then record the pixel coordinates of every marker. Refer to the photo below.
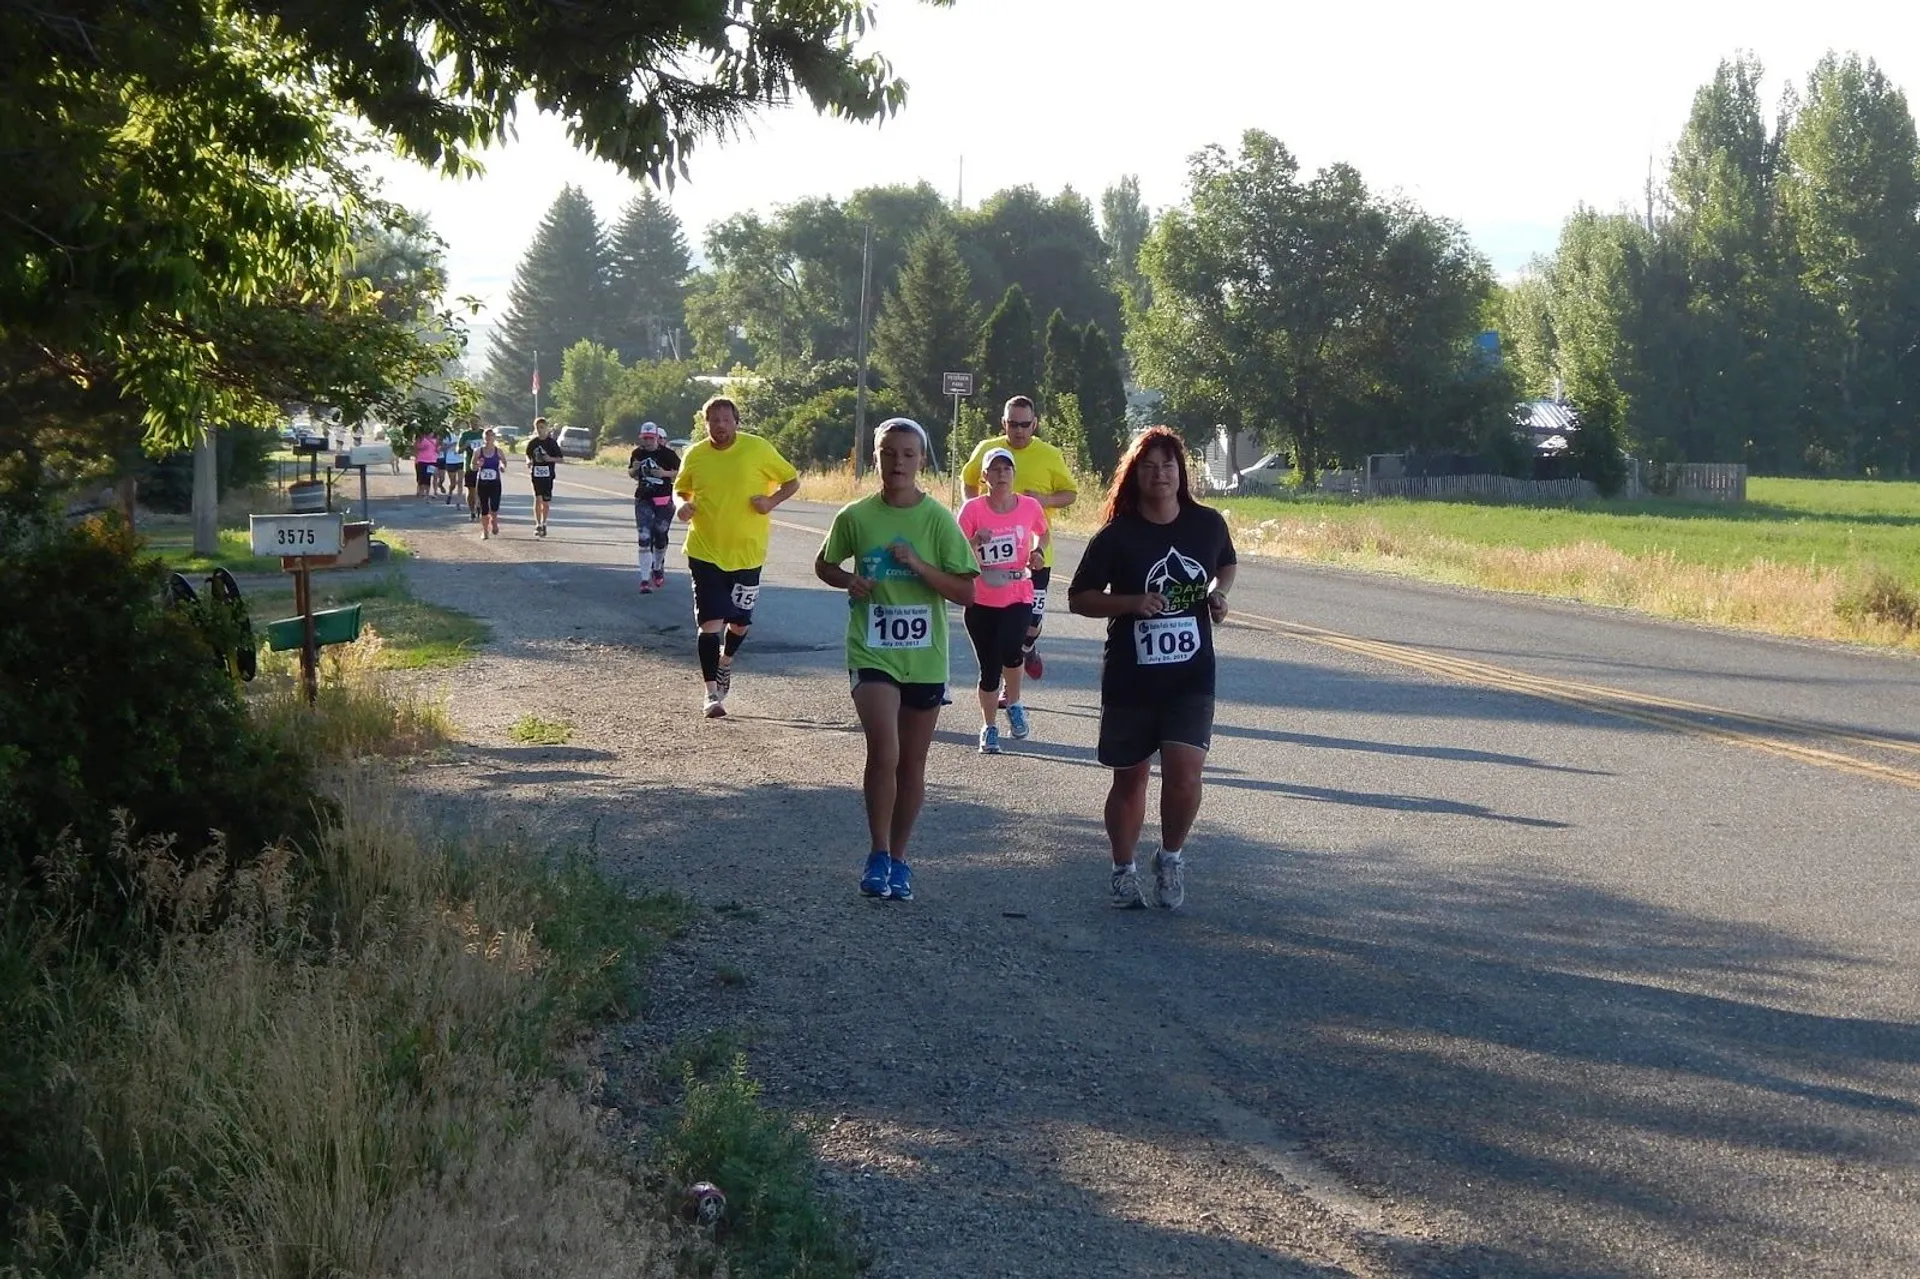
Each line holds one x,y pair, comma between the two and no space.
1011,423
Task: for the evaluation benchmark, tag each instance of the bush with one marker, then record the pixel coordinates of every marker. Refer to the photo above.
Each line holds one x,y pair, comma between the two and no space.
241,459
111,702
1885,599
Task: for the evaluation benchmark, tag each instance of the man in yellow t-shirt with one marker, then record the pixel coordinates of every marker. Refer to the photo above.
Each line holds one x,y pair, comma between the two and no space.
728,485
1040,471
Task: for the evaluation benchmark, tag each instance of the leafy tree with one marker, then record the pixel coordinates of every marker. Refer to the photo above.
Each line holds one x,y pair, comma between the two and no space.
1060,369
1850,196
1067,432
584,394
558,298
1310,309
648,266
1525,325
1124,224
659,391
1003,365
925,328
171,165
1102,400
1049,247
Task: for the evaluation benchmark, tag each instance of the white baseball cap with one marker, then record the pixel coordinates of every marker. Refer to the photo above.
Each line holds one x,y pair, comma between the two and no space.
652,428
994,455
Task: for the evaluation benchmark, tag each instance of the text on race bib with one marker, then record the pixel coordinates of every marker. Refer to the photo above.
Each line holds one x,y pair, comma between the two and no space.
489,474
900,626
1039,601
999,551
1162,641
745,597
542,472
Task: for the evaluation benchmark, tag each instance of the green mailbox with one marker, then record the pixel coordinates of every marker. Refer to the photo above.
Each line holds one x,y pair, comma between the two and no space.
330,626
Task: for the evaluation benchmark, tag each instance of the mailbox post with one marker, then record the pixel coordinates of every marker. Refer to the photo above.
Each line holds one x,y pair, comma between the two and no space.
300,539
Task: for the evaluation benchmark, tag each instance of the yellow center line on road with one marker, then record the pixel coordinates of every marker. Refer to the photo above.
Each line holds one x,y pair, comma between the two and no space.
1734,727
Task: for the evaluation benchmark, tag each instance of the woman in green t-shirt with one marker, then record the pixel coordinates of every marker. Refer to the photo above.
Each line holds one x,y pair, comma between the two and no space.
911,559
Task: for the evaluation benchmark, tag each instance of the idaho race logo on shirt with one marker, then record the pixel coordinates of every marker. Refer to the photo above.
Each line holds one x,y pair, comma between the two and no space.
1181,580
878,565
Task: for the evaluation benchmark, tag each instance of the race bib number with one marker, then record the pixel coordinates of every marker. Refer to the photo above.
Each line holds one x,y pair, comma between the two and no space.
900,626
1039,601
745,597
542,472
999,551
488,474
1162,641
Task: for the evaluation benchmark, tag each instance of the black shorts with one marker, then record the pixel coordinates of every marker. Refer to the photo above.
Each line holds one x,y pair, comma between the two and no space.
488,491
999,638
1131,734
913,697
543,489
1041,577
473,476
423,473
723,595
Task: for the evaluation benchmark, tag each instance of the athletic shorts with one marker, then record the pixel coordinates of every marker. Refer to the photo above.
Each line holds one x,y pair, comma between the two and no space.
543,489
488,491
1041,576
473,476
723,595
999,638
452,466
1132,734
913,697
654,522
423,472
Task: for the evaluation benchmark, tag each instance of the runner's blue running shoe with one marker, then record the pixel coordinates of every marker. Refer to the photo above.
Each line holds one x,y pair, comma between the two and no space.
990,740
875,883
901,882
1017,719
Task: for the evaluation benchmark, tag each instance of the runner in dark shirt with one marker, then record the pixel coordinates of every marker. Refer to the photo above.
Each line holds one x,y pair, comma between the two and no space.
652,467
1159,571
543,454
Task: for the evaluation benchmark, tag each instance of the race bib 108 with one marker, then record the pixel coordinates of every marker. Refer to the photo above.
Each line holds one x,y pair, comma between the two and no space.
1162,641
900,626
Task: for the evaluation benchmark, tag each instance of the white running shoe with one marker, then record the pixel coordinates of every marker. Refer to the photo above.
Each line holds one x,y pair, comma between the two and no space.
723,681
1169,887
1126,888
712,708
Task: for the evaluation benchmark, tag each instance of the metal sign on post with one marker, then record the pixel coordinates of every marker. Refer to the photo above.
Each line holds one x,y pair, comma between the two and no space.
959,386
301,538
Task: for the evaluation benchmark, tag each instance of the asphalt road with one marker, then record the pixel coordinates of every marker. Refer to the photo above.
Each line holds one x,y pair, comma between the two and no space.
1587,941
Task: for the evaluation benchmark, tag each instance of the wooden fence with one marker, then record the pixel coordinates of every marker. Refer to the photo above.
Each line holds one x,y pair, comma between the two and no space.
1502,487
1689,481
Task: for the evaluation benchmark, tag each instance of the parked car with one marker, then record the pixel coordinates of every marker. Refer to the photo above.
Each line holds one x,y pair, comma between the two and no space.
680,446
575,441
1264,476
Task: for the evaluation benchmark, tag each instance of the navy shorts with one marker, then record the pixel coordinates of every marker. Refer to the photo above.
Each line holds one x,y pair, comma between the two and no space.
913,697
1131,735
723,595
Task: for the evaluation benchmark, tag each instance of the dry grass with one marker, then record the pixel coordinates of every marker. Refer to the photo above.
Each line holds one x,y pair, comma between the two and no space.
362,710
1783,599
336,1059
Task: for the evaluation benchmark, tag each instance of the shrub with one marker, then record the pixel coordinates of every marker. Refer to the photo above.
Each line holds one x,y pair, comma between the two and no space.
111,702
1885,599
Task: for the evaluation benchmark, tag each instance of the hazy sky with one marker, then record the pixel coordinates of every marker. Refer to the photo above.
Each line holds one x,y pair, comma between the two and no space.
1503,115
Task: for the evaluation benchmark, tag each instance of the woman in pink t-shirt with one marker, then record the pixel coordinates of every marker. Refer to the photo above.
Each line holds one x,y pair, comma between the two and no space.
426,460
1008,532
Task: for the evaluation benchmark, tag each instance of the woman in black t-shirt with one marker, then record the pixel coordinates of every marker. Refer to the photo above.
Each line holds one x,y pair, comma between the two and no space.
1159,571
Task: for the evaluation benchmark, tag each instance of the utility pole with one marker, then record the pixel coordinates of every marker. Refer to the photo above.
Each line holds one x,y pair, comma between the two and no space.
960,187
860,391
206,494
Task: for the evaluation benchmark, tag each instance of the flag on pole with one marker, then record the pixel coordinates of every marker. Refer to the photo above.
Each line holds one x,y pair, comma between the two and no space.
536,381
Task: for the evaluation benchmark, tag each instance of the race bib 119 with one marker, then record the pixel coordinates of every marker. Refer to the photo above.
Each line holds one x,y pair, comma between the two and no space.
999,551
900,626
1162,641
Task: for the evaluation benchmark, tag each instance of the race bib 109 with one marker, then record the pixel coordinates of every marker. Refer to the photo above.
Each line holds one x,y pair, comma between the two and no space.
900,626
1162,641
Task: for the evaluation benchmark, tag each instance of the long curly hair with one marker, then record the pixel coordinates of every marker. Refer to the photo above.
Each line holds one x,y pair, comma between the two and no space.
1123,497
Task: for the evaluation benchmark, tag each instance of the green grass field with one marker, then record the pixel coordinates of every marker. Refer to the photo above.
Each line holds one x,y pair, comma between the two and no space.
1827,524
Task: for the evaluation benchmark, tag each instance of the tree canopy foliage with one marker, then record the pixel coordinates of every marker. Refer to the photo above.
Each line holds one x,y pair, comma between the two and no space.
182,194
1766,310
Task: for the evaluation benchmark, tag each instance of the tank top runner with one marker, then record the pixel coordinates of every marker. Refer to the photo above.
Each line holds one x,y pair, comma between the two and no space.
490,465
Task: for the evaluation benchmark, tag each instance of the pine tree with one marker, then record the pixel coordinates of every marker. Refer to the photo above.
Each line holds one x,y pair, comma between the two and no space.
1103,400
648,266
558,297
1004,363
926,328
1060,374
